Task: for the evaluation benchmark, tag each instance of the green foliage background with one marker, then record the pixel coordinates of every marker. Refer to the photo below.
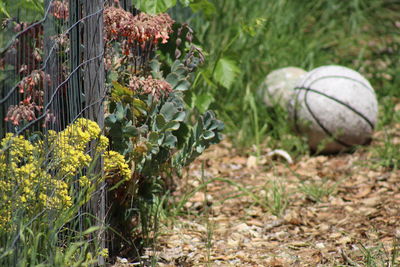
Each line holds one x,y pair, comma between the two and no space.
245,40
29,10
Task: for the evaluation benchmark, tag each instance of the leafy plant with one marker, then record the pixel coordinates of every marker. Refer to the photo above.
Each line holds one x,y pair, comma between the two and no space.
148,120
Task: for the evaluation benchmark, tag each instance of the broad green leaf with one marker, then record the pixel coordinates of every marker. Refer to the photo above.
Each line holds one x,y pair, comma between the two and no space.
208,134
172,79
176,65
170,141
160,122
131,131
183,85
110,120
225,72
153,138
154,6
203,101
171,126
168,110
204,6
180,116
121,89
120,112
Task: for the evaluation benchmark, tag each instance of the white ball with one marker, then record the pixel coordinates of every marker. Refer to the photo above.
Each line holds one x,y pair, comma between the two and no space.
335,108
278,86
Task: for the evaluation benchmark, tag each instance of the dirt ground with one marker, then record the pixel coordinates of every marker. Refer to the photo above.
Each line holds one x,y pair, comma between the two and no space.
340,210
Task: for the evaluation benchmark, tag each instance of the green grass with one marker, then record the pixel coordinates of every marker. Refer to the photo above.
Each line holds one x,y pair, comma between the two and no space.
386,153
276,198
373,256
317,191
379,256
260,36
67,239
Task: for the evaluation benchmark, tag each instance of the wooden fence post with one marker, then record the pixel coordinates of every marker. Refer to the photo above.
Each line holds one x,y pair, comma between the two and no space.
94,88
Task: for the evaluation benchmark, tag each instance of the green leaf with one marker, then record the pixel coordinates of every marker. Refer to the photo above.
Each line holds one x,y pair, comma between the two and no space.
72,250
153,138
120,89
131,130
180,116
154,6
156,69
183,85
110,120
160,122
172,79
176,66
170,141
208,135
168,110
120,112
172,126
225,72
205,6
203,101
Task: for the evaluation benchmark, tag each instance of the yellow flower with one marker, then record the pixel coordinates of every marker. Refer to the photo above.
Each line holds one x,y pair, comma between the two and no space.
104,253
103,143
23,199
115,165
39,176
84,181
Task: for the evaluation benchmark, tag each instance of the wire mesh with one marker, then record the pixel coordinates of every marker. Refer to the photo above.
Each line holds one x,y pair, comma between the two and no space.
57,38
52,73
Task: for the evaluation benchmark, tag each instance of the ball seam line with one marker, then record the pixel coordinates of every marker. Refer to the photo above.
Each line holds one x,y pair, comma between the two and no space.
340,102
296,104
343,77
327,132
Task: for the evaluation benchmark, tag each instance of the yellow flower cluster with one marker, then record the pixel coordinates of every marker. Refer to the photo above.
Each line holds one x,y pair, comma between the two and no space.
70,145
115,166
16,157
33,178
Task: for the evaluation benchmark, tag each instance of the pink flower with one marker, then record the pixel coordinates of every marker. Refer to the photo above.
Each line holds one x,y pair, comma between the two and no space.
141,28
145,86
59,9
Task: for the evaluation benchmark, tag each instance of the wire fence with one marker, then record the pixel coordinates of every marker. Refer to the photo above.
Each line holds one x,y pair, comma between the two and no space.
52,73
55,65
53,100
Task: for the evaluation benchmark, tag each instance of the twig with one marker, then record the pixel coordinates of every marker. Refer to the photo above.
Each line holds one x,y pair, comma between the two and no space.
273,224
282,153
346,258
